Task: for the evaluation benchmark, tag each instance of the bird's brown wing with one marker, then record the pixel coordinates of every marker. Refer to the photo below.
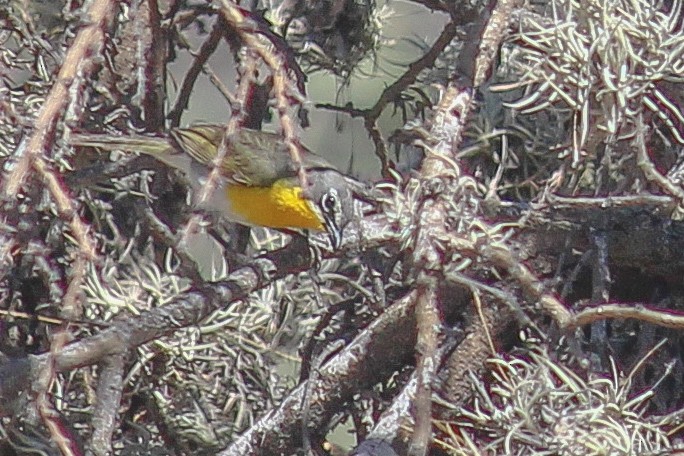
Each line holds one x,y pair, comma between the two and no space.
255,158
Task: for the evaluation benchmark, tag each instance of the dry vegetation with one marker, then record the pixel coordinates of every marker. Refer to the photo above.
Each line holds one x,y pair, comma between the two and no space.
519,291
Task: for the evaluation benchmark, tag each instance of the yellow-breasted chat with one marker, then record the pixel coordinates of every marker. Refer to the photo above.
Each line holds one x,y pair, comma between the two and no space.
259,182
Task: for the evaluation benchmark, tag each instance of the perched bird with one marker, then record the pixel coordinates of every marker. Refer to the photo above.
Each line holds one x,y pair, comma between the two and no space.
259,182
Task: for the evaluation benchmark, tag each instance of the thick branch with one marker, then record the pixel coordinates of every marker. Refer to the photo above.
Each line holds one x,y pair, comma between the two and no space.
338,380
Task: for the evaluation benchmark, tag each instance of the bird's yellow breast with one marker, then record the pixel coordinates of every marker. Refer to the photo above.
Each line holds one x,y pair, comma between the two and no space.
278,206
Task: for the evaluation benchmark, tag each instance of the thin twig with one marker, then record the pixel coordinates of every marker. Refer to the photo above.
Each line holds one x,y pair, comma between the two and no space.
285,93
233,124
647,166
666,318
205,52
77,63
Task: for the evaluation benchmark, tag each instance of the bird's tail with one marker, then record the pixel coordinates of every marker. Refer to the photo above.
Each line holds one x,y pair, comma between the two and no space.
149,145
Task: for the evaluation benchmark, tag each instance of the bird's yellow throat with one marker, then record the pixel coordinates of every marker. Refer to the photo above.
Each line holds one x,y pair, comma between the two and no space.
278,206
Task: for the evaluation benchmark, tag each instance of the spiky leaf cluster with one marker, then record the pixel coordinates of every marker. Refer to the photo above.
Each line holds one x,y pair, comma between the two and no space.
605,61
537,406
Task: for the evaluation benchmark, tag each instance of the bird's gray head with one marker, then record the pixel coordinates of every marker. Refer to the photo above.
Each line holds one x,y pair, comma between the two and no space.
331,195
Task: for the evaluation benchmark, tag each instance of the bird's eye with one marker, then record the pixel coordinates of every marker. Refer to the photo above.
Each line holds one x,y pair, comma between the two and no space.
329,202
